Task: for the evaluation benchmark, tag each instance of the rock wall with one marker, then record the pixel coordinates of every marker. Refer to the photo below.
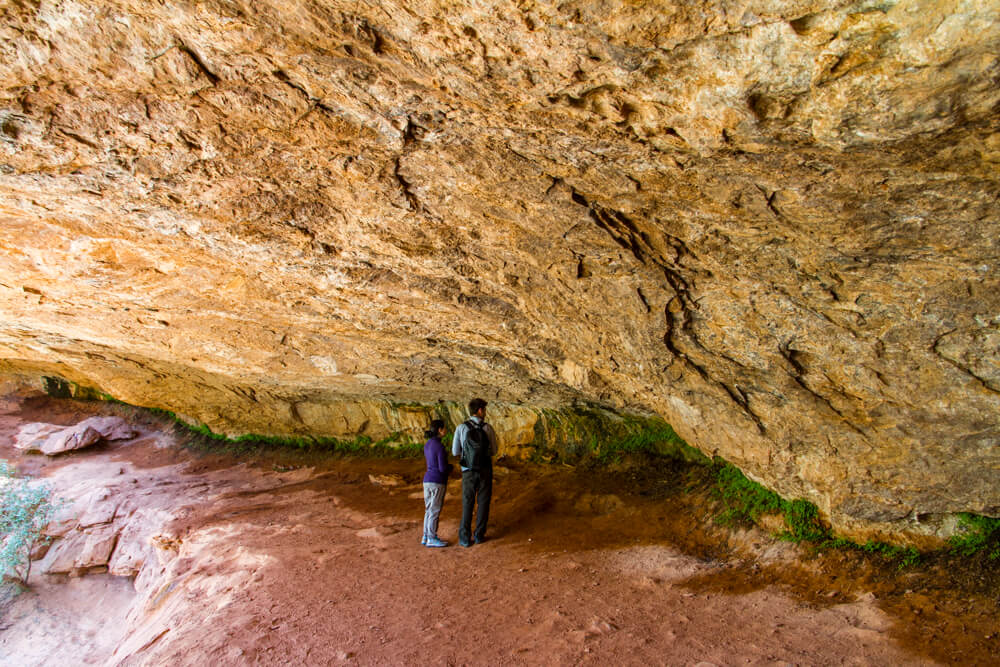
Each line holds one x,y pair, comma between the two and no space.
772,224
571,434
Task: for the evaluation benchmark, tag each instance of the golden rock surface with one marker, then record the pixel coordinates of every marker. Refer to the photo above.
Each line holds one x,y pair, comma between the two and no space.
774,224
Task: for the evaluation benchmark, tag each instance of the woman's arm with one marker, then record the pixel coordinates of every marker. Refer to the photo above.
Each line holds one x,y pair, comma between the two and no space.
442,461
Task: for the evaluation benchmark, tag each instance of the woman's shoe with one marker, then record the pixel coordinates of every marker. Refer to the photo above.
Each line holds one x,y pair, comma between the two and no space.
435,542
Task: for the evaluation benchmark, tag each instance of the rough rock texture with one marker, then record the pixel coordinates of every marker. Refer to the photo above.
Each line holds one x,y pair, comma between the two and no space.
51,439
772,223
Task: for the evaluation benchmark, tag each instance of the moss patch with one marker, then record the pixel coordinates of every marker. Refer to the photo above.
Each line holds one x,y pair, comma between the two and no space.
592,433
57,387
979,535
745,501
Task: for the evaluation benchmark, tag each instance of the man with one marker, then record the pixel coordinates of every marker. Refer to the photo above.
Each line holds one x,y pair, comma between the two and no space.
475,443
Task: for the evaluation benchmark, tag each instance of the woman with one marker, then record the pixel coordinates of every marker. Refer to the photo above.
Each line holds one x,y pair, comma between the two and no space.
435,482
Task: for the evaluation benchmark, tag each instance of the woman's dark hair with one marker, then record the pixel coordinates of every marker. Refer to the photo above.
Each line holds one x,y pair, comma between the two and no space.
436,425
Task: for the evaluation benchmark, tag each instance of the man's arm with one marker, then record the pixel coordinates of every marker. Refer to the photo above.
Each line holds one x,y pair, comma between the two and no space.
456,441
493,439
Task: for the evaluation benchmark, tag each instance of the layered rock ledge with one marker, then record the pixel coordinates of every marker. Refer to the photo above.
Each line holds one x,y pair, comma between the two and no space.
772,224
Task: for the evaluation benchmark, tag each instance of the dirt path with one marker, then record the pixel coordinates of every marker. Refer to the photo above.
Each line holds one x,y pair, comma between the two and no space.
292,559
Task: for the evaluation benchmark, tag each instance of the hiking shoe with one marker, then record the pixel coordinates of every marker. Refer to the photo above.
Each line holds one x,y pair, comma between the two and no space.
465,544
436,542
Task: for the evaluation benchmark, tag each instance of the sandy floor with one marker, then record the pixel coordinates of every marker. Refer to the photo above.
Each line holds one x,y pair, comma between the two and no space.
295,559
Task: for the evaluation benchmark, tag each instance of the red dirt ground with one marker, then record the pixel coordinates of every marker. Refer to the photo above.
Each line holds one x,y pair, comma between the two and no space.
283,557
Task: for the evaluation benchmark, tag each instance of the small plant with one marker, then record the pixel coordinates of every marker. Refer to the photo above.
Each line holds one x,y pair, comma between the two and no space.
905,555
27,509
802,518
979,534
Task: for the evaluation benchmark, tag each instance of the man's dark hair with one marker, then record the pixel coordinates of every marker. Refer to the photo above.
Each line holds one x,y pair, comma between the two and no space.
475,404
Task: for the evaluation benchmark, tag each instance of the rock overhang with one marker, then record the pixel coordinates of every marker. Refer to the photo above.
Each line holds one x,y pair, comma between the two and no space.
774,227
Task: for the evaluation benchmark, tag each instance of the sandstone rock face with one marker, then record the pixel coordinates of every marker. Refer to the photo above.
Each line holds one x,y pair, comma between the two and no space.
773,224
51,439
31,437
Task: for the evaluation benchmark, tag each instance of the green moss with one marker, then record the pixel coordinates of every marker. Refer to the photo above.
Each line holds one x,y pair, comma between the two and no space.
57,387
745,501
906,556
649,436
802,519
591,432
980,534
395,445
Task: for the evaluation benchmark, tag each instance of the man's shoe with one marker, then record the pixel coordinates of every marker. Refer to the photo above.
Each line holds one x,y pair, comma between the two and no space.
435,542
479,540
464,544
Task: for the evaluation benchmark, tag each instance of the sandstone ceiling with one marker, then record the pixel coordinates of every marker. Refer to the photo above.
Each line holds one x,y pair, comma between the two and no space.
772,223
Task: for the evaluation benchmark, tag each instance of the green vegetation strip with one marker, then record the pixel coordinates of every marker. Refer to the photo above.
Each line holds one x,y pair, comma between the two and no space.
393,446
650,436
745,501
591,433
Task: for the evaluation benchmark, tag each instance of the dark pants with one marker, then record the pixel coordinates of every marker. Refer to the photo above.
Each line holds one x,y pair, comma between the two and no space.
477,486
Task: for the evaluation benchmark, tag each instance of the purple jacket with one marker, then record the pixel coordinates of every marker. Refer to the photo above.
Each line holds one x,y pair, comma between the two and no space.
437,462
